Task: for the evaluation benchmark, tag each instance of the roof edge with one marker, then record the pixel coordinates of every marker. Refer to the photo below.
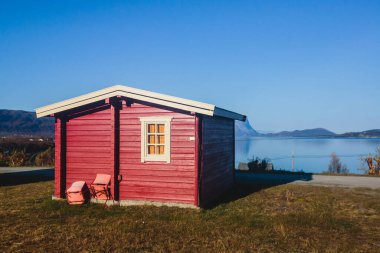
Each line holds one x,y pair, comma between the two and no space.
138,94
229,114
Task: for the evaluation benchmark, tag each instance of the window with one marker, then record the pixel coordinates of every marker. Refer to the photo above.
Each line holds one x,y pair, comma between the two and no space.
155,139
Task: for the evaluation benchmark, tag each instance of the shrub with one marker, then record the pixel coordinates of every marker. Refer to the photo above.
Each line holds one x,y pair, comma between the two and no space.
17,158
373,163
336,166
45,158
258,165
3,159
22,151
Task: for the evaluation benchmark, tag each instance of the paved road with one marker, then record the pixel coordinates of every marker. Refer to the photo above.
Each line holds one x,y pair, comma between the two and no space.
15,176
20,169
345,181
322,180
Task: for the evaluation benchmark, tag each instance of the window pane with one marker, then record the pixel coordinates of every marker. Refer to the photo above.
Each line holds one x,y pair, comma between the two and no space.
151,128
151,139
160,149
151,150
161,139
161,128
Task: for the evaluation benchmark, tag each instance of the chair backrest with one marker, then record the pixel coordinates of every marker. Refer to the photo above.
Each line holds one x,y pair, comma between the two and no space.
77,186
102,179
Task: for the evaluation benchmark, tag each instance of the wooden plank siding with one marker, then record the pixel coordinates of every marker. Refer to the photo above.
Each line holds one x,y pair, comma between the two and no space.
90,145
157,181
59,157
105,137
217,158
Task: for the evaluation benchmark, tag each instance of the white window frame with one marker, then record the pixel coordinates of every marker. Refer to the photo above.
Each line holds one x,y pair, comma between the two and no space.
145,121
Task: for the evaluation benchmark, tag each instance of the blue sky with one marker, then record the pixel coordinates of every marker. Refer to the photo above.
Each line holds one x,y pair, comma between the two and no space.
285,64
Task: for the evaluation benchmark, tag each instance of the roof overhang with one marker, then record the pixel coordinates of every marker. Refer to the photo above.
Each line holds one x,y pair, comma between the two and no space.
138,94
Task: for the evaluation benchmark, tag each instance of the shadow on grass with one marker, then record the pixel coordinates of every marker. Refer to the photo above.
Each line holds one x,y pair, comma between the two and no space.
245,183
25,177
248,183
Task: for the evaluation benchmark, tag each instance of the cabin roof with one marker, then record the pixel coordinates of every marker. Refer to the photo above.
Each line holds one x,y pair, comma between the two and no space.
142,95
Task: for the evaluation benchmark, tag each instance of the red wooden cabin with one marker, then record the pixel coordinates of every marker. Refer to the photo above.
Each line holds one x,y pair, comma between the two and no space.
157,148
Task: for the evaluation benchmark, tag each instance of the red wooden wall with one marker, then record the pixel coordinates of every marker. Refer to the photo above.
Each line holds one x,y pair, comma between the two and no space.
217,163
100,140
158,181
58,176
84,147
89,146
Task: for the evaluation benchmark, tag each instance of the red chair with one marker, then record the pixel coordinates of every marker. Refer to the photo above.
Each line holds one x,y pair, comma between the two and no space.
77,193
101,188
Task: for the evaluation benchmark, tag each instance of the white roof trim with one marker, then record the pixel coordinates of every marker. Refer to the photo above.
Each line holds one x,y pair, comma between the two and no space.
138,94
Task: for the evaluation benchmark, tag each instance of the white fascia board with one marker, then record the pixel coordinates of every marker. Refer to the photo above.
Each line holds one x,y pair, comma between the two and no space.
76,101
166,97
170,104
138,94
118,90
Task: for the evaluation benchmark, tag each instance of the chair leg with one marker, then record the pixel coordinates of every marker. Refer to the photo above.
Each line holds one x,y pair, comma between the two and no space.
109,196
94,194
107,193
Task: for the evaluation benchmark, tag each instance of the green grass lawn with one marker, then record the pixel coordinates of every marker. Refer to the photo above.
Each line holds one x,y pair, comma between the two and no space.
286,218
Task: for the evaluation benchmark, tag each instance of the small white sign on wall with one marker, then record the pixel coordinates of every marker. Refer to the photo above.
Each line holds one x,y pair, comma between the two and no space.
192,138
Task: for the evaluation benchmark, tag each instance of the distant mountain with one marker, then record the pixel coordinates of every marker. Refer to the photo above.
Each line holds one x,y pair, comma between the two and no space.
245,130
364,134
315,132
22,123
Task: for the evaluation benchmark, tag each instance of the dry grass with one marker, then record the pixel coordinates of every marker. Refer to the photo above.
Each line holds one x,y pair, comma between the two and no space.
281,219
